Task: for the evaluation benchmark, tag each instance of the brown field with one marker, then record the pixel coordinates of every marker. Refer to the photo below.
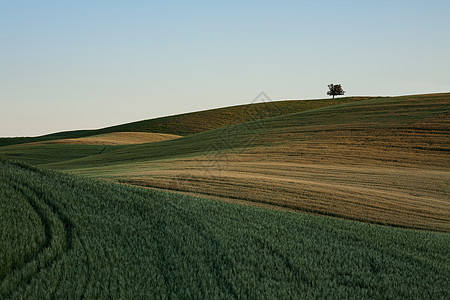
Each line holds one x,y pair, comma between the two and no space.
393,195
115,138
384,162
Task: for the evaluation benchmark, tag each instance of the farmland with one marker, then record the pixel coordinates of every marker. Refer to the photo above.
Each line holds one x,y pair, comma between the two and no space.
114,138
84,238
195,122
382,160
225,150
283,206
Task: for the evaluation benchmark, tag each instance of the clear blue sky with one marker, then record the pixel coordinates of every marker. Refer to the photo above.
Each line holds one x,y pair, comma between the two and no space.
87,64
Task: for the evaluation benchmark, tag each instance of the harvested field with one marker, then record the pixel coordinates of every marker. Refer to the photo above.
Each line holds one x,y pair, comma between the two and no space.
400,196
115,138
385,162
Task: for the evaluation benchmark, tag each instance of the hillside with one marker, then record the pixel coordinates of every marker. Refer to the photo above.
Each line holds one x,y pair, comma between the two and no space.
382,161
190,123
82,238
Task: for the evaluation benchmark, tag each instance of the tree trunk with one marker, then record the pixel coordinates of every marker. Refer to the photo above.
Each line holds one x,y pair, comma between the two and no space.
333,96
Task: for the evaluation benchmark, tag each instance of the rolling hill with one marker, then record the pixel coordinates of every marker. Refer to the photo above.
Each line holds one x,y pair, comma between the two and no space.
382,160
161,222
195,122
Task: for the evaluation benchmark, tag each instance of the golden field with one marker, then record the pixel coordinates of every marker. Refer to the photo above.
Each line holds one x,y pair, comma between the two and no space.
382,161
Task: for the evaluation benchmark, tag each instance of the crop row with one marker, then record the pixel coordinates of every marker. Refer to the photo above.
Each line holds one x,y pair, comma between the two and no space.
68,236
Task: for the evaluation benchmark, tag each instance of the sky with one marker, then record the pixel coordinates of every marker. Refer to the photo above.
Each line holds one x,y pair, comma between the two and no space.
68,65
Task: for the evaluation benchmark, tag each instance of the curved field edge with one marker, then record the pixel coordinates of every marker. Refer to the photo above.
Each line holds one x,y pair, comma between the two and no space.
383,161
195,122
131,242
114,138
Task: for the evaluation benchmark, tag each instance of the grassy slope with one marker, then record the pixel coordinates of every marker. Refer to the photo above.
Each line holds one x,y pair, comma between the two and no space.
377,115
44,154
99,240
190,123
383,161
380,160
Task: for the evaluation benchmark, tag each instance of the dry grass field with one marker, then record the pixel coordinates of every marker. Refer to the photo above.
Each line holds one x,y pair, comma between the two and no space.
400,196
384,161
114,138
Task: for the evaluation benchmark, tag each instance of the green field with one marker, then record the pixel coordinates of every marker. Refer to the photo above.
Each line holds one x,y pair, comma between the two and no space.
65,236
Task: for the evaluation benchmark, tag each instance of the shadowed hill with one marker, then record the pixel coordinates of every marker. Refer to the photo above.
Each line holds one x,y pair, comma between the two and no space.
195,122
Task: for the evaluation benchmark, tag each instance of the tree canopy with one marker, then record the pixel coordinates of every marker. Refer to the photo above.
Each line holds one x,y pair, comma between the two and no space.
335,90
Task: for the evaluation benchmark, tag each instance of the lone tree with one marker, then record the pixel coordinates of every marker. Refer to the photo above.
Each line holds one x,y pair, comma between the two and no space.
335,90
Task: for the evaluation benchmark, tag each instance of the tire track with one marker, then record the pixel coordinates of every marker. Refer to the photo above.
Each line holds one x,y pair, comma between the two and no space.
52,218
45,223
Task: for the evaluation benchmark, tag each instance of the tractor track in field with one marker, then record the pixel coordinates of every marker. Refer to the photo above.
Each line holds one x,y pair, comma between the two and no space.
38,262
45,223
